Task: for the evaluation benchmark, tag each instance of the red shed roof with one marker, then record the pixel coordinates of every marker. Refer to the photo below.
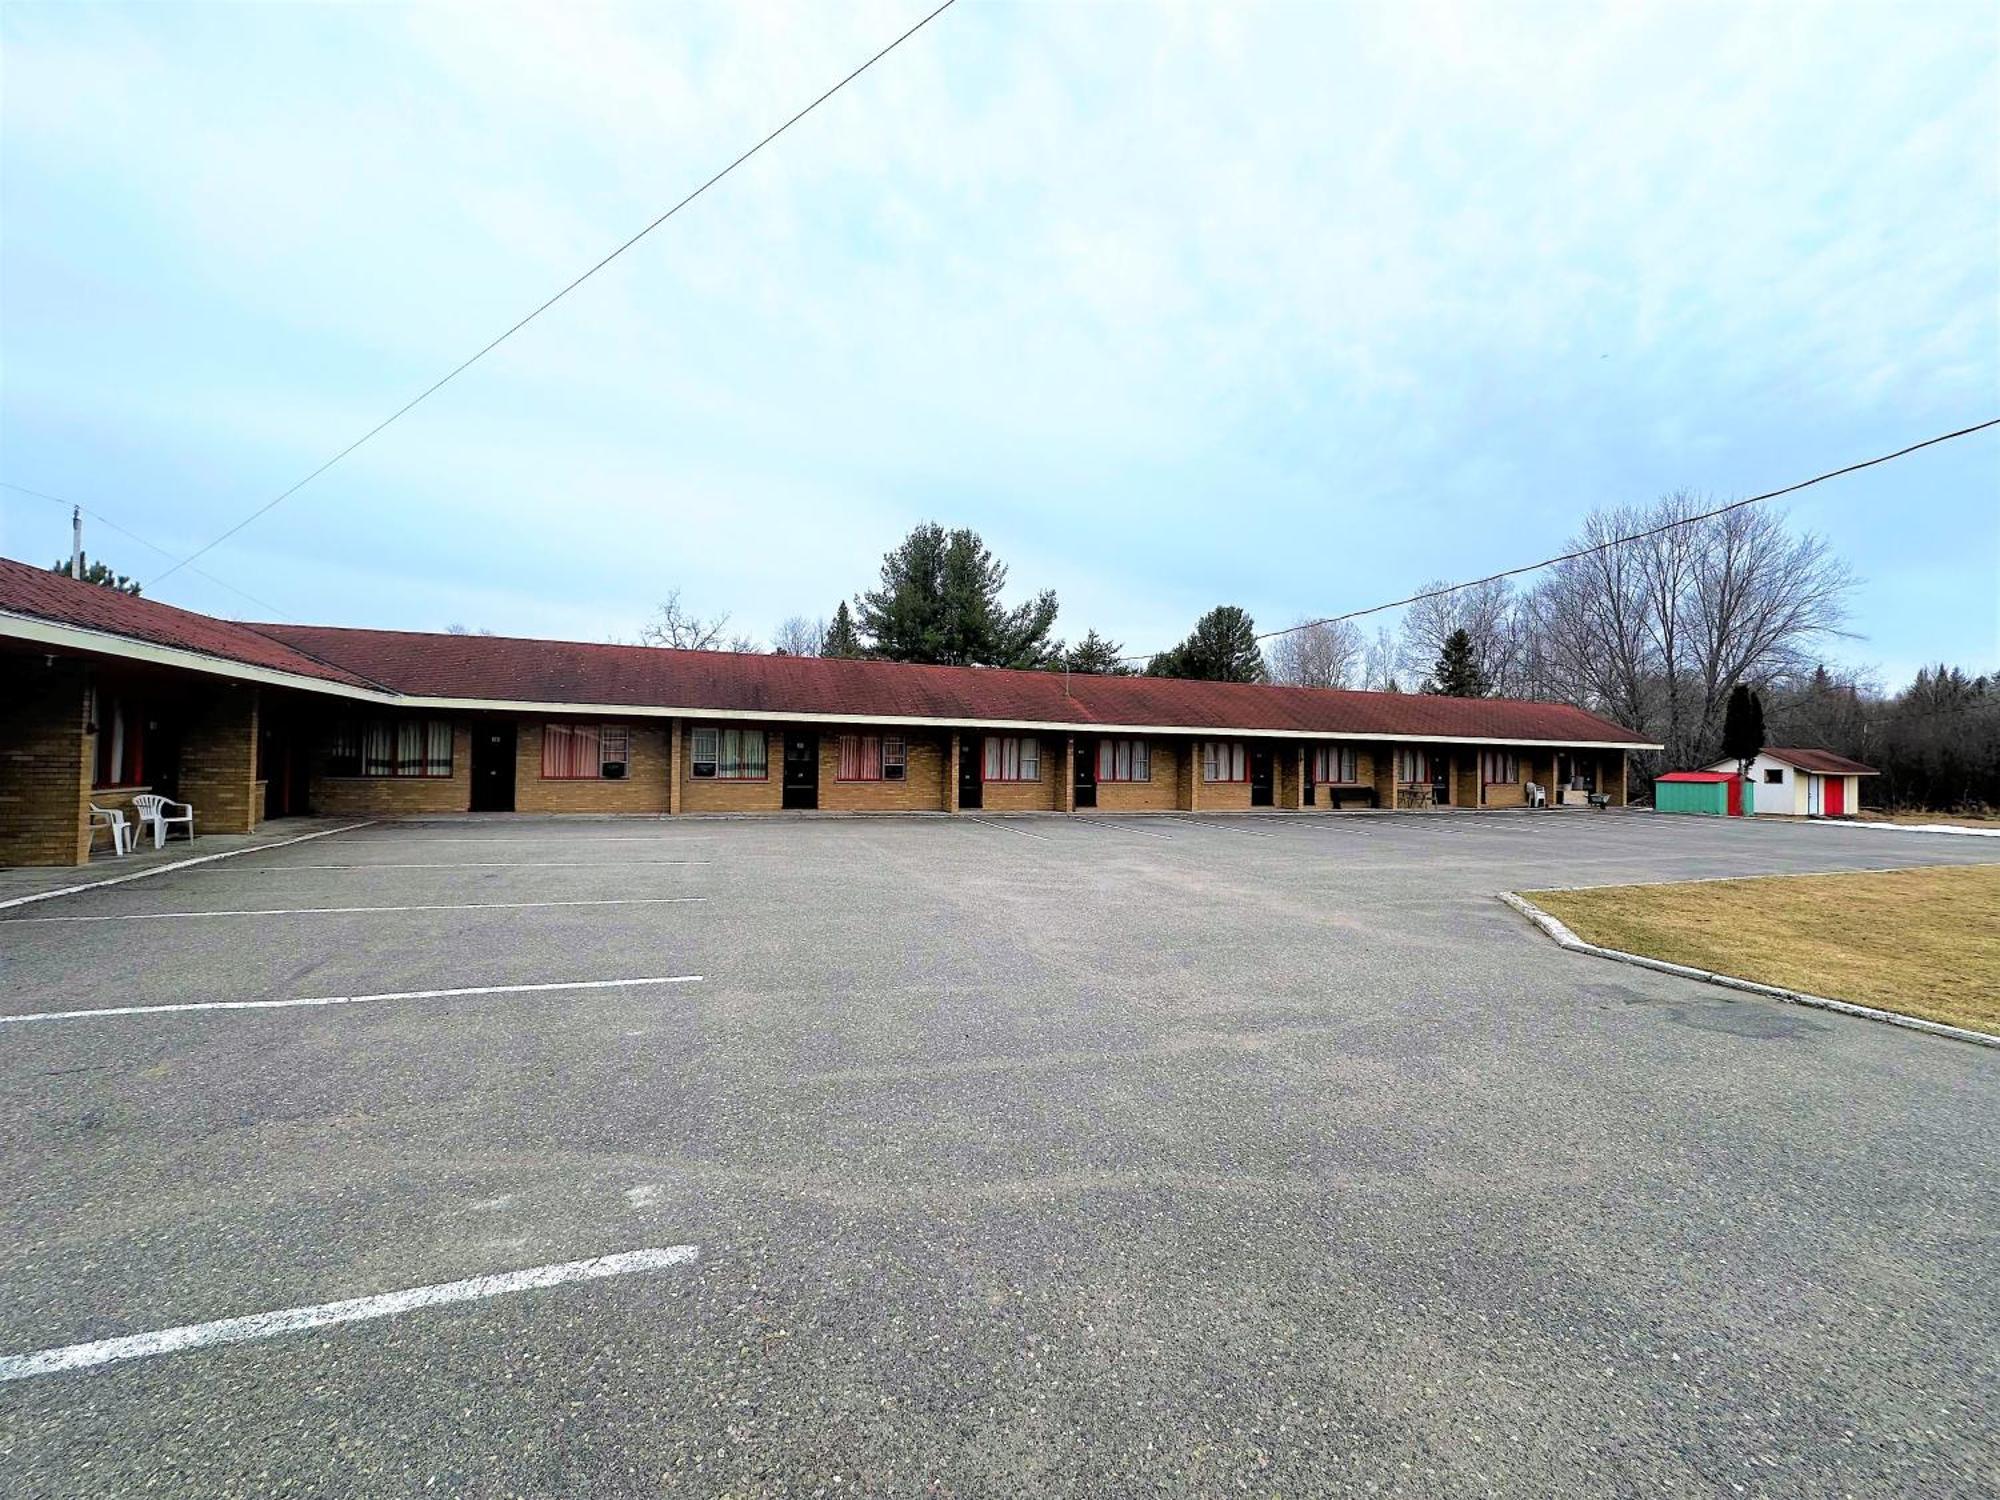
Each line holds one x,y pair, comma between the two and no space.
1697,776
505,669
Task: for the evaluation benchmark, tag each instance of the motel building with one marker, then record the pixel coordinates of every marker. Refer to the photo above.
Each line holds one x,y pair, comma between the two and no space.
104,697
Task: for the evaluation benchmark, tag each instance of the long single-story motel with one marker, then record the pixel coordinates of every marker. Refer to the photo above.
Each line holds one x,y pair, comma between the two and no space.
104,696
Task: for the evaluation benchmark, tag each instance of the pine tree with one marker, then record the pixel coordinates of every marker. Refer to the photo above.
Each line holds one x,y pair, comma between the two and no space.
842,639
1457,673
1743,727
97,573
1222,648
939,601
1097,655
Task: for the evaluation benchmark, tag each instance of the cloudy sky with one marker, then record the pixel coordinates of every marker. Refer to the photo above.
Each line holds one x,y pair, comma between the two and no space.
1291,306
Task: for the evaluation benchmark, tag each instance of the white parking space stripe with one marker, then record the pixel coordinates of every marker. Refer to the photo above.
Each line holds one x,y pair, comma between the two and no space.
318,911
354,1310
1009,828
484,989
1225,827
494,864
1106,823
179,864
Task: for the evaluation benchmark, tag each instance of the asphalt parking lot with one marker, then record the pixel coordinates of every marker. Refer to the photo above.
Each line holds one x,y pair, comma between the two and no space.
1030,1155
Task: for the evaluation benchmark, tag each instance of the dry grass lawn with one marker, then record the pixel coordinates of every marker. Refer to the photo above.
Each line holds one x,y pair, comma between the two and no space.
1922,942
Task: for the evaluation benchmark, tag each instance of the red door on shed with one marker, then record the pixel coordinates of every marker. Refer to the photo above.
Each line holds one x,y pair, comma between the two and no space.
1833,797
1736,796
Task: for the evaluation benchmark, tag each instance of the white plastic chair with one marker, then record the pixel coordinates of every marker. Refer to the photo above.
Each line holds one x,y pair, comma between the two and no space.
157,810
112,818
1536,796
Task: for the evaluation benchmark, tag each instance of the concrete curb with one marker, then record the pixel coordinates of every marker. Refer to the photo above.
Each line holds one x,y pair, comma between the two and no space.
179,864
1567,939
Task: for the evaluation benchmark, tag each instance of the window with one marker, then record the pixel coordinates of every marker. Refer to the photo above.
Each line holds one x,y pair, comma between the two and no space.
1413,766
390,747
867,757
1013,758
1499,766
1774,776
1124,760
1222,760
1336,763
585,752
728,755
121,741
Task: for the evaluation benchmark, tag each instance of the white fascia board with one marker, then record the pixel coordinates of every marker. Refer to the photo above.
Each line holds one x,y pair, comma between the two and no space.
102,643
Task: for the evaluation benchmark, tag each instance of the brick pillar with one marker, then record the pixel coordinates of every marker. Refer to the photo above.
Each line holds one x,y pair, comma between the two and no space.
1618,791
46,760
1465,778
951,773
1190,787
1297,799
1384,757
218,773
1066,797
673,766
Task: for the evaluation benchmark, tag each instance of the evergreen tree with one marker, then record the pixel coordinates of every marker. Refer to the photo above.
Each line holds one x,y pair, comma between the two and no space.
1222,648
1742,727
939,601
842,639
1095,654
96,572
1457,673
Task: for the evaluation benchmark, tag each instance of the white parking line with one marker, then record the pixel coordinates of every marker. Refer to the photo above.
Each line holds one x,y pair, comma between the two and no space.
317,911
492,864
1226,828
1009,828
484,989
354,1310
179,864
1107,824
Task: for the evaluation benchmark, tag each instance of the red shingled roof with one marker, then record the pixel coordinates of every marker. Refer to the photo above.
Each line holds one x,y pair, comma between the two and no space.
62,600
1821,762
516,670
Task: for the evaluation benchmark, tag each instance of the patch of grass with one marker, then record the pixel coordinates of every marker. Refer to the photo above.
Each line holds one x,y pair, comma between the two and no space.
1921,942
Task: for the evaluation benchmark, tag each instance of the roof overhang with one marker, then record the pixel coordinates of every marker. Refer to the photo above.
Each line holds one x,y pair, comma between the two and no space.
76,638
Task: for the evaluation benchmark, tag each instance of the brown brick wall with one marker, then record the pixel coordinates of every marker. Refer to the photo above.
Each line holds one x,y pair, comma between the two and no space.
712,795
218,768
45,763
1161,794
921,790
1324,792
1044,795
644,788
362,796
1219,796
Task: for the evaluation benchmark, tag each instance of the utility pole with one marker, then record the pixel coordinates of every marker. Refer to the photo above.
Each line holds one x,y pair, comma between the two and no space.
76,543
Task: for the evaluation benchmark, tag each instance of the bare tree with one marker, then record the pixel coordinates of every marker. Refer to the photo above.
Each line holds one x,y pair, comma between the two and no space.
798,636
1378,669
1656,632
1485,612
675,626
1324,654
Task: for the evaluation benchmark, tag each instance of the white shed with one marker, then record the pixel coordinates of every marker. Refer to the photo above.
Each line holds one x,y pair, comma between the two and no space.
1805,783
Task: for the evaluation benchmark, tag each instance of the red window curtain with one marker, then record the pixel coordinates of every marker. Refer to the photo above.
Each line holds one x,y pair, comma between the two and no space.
860,757
569,752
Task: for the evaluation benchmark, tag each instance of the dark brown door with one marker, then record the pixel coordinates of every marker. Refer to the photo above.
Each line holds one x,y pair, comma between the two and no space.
971,784
1260,776
1086,773
801,771
493,766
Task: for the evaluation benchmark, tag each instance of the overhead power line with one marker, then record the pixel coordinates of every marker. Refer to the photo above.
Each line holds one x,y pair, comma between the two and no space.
1637,536
104,520
473,359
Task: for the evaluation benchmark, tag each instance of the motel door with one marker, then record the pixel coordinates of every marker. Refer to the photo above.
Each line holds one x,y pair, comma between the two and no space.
1441,780
801,771
971,785
1260,775
493,766
1086,773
